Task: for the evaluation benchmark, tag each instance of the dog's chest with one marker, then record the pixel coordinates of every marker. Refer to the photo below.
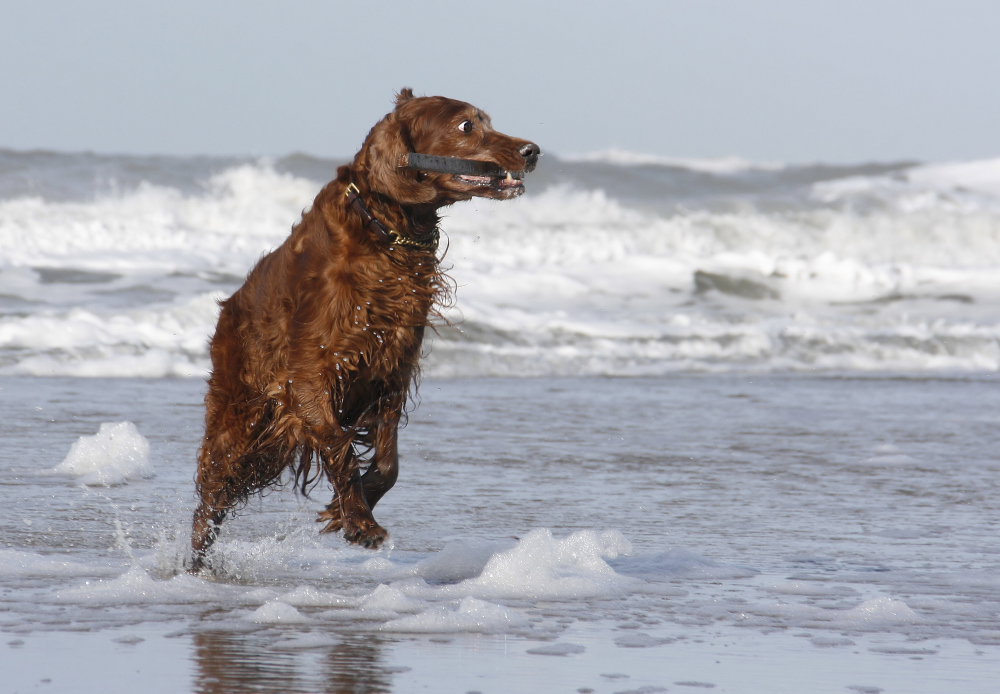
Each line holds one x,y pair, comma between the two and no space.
396,332
381,332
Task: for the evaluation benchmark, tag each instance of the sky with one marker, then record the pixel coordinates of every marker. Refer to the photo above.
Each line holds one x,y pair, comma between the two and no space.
767,80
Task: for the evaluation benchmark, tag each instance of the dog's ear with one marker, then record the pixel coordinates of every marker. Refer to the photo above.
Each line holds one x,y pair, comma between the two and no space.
405,94
385,144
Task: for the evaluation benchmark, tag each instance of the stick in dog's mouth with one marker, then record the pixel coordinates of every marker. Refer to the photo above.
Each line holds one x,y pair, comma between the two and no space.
482,173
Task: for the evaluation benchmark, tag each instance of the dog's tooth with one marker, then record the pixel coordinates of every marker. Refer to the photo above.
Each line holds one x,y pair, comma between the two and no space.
509,177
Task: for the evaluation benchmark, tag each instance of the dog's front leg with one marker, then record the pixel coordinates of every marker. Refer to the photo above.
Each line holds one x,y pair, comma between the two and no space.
378,479
355,514
382,473
334,443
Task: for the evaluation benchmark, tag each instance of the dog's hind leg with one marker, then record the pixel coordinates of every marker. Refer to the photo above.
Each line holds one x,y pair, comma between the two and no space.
221,486
204,530
377,480
214,492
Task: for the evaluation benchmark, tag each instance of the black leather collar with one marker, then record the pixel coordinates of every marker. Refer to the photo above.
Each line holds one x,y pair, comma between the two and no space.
390,237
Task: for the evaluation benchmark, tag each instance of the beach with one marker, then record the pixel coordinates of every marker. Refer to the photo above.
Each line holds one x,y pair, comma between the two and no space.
773,534
687,425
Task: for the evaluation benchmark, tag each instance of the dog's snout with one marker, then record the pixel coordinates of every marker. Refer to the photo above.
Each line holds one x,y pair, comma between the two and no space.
530,153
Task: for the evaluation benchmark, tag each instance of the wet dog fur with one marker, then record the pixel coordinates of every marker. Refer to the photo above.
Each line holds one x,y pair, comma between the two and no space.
314,357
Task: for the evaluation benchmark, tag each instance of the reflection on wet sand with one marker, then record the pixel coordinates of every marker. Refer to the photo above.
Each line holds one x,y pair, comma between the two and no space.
355,666
232,663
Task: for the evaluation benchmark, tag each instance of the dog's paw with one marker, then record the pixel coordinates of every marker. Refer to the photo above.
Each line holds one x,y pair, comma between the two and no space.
365,533
197,565
333,516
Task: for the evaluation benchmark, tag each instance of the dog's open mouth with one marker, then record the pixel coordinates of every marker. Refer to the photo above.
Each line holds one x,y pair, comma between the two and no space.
509,180
473,172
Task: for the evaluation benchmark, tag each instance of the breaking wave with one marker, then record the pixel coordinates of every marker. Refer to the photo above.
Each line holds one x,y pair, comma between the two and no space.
611,265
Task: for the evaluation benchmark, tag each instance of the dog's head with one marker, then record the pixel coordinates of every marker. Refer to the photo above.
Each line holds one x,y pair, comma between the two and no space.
447,128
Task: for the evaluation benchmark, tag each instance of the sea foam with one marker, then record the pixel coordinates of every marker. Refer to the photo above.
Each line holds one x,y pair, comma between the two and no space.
470,615
115,454
277,613
541,566
879,612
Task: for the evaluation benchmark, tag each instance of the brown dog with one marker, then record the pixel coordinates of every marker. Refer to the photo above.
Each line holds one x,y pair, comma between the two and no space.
314,356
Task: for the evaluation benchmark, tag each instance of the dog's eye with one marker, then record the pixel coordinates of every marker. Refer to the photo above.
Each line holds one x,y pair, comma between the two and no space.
465,126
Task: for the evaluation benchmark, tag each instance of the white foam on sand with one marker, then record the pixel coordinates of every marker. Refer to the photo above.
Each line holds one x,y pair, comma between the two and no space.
277,613
307,596
514,576
878,612
136,586
115,454
468,576
20,563
391,599
541,566
460,560
471,615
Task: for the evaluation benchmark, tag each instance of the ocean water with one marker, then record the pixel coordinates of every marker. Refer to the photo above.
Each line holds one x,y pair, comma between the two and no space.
612,264
750,445
783,533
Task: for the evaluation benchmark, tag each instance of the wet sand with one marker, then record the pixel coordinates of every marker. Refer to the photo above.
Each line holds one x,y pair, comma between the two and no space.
755,533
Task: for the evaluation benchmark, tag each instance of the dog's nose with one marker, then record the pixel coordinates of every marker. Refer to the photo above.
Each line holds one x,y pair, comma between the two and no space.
530,153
